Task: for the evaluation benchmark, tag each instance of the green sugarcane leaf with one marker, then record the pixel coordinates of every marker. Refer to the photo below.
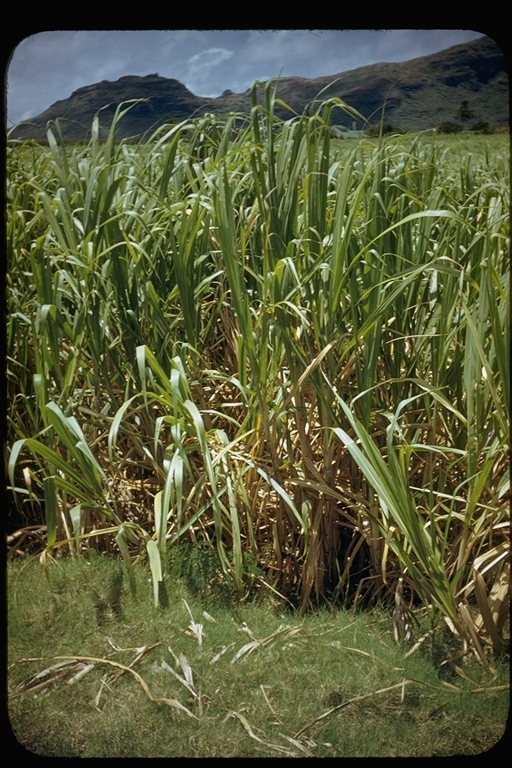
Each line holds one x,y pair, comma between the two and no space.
156,568
75,515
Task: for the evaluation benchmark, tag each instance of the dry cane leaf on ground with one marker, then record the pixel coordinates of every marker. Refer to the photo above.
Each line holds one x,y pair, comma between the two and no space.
159,700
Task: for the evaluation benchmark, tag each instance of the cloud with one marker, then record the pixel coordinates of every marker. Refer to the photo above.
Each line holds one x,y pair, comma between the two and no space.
200,65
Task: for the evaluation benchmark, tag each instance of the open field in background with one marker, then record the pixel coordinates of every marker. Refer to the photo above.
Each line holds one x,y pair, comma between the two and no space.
288,350
256,680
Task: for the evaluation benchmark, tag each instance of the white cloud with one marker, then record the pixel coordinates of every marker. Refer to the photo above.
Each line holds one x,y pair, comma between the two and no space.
201,64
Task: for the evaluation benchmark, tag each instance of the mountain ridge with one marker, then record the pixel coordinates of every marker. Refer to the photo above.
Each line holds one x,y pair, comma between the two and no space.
418,94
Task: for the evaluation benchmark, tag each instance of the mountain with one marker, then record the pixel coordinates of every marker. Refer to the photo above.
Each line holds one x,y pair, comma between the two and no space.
417,94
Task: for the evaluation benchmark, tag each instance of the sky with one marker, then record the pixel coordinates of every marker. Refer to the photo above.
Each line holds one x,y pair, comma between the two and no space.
49,66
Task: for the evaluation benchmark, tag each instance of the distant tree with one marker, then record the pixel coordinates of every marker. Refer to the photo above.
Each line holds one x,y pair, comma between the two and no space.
377,130
449,126
482,127
464,111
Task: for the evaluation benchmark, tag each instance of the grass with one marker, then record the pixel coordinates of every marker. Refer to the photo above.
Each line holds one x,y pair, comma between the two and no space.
324,662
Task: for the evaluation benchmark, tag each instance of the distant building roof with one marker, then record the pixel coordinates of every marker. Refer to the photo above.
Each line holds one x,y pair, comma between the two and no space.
345,133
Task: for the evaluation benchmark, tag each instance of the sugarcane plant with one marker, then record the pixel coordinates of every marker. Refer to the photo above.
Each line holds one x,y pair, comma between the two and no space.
290,348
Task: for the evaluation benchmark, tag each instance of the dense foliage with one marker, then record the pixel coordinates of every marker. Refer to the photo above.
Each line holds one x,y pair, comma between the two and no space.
289,348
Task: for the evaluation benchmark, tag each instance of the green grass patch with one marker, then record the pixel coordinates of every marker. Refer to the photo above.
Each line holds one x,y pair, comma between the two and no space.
258,680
